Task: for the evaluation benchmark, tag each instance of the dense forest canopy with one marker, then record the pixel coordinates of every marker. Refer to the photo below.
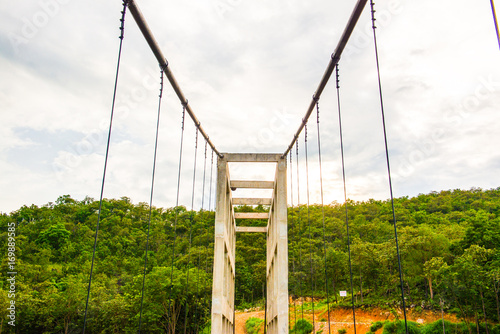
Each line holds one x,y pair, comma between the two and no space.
449,242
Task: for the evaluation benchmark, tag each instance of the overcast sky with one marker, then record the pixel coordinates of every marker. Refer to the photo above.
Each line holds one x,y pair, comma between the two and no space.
249,69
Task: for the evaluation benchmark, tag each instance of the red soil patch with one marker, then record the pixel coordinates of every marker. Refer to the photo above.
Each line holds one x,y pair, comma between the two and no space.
342,318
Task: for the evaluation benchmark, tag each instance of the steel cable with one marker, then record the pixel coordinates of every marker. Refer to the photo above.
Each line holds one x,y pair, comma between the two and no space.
388,163
299,223
176,209
345,198
191,229
151,197
309,227
323,215
122,34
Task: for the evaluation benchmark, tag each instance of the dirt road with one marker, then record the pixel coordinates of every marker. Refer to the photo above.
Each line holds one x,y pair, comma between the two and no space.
242,317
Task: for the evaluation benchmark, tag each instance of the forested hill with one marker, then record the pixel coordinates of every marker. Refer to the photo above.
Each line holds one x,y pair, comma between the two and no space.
449,243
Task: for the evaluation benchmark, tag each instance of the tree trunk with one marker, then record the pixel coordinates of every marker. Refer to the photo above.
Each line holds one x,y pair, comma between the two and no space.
484,312
464,316
442,315
409,292
496,286
476,317
172,316
67,320
334,292
430,287
361,286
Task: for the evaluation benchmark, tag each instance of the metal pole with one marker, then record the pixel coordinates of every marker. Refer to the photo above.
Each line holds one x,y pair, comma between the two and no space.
162,61
353,20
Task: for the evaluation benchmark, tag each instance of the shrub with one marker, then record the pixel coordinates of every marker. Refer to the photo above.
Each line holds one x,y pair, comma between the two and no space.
253,325
342,331
413,327
462,328
376,326
244,305
398,327
390,328
456,328
437,327
303,326
206,330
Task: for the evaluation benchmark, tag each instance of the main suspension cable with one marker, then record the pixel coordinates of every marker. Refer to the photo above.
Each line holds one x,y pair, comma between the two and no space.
309,225
495,20
345,198
176,209
335,57
151,197
323,215
388,163
122,29
150,39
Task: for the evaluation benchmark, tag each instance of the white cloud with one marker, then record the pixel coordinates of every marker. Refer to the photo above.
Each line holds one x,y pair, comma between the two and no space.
249,70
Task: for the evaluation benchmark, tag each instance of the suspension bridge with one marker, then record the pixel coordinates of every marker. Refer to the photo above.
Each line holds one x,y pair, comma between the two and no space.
277,317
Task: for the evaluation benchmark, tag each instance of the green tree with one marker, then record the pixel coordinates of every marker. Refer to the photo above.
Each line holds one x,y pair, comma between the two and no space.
432,268
55,236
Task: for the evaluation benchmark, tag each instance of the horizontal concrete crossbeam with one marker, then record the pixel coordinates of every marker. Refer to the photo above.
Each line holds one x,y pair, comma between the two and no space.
243,229
251,215
252,201
252,157
252,184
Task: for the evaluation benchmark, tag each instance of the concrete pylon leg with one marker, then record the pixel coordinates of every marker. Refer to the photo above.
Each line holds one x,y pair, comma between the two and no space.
277,257
223,291
224,250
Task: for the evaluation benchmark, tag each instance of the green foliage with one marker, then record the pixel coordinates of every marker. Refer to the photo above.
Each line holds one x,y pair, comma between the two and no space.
253,325
54,236
398,327
376,326
390,327
302,326
54,246
206,330
449,243
342,331
437,327
457,328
